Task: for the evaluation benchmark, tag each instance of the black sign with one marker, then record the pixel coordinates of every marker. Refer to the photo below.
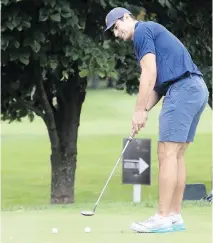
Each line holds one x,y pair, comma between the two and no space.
194,191
137,162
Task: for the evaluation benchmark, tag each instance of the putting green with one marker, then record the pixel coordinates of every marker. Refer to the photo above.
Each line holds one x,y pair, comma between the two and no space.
110,224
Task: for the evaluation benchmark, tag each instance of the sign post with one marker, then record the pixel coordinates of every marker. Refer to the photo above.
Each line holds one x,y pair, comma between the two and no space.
137,165
137,193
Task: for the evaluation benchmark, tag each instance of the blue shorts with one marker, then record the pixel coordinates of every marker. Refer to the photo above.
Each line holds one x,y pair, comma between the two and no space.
182,107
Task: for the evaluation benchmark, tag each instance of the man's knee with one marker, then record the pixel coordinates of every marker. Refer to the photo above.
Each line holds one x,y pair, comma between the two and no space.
182,150
168,150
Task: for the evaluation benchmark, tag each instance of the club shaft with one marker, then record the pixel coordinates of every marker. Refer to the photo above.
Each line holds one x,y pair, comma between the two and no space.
129,140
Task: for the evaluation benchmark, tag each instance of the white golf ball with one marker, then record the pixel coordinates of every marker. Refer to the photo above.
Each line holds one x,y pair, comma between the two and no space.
87,229
54,230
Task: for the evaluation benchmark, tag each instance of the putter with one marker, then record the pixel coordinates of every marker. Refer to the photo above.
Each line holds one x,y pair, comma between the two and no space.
91,213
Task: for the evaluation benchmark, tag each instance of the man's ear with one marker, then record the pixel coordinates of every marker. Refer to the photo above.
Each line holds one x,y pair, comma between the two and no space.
126,16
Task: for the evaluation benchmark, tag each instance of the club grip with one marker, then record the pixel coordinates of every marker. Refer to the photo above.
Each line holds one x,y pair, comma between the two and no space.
131,136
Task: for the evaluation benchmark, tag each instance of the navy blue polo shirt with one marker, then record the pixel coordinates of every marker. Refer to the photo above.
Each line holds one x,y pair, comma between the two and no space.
172,58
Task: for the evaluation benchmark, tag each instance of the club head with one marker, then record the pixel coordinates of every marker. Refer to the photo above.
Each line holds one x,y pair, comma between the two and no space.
87,213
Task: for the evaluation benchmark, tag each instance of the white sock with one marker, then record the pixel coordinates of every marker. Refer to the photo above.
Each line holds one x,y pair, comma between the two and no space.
175,214
163,217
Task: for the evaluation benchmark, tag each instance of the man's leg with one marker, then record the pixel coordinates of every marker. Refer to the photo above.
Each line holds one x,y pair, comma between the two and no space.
160,222
175,207
168,174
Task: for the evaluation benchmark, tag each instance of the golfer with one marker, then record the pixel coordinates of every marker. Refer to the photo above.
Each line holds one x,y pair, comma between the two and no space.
168,70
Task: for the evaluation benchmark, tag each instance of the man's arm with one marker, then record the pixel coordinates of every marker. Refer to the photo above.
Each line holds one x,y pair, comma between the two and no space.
153,100
147,82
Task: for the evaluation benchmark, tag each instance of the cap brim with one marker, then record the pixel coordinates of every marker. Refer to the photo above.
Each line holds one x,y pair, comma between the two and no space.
108,27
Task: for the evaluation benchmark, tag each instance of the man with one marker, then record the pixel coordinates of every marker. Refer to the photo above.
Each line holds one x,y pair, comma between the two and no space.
167,70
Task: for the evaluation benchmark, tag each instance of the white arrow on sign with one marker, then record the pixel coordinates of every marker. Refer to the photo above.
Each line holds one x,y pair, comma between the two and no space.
142,164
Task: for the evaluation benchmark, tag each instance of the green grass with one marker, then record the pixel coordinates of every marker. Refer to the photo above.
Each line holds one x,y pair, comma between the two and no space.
110,224
105,120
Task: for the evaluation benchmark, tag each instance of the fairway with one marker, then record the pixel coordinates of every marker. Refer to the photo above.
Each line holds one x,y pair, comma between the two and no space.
109,225
105,121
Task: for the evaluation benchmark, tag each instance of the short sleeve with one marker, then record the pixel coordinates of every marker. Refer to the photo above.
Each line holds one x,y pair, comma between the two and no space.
143,41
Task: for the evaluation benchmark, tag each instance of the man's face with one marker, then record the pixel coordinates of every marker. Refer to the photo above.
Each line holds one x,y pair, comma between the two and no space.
123,28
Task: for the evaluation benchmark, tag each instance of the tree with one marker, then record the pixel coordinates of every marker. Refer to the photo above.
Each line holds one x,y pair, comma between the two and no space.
48,49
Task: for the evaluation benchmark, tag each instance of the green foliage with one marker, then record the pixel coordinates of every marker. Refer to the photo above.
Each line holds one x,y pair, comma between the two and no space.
54,41
63,41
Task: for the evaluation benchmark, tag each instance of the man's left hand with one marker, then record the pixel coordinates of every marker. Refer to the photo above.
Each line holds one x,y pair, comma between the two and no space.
139,120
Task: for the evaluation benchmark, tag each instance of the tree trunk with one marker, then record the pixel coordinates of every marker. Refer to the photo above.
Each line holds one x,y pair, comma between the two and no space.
210,97
63,178
64,156
95,81
110,83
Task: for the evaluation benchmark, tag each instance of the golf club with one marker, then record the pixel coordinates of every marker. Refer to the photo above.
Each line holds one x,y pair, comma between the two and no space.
91,213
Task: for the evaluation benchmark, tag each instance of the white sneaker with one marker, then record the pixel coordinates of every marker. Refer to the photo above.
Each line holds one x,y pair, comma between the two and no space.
155,224
177,222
